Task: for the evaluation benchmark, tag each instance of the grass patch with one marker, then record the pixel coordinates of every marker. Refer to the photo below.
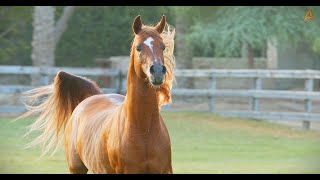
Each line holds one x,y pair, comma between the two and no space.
201,143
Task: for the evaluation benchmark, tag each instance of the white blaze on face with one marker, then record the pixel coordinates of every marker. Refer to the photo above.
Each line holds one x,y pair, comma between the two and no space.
148,43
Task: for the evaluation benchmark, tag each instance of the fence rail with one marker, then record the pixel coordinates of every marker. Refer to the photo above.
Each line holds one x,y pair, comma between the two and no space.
55,70
253,93
249,73
280,94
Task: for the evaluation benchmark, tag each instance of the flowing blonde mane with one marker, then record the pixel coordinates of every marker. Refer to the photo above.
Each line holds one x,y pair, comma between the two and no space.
169,61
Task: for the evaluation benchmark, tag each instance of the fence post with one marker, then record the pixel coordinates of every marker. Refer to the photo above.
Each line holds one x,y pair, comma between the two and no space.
212,88
308,86
255,106
120,82
44,77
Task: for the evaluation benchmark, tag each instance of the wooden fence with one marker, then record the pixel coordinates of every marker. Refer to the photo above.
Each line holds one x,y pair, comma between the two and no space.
255,93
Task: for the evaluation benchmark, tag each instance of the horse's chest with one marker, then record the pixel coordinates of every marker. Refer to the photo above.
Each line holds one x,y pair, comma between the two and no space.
145,154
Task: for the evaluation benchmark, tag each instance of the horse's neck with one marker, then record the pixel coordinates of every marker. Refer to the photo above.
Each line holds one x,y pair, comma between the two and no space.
141,102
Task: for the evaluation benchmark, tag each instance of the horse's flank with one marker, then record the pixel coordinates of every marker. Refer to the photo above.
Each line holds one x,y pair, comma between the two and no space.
90,122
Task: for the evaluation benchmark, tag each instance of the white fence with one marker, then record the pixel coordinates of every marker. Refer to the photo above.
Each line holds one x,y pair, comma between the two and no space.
308,95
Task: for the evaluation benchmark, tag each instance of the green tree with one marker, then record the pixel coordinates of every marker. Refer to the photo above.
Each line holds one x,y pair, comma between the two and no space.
15,35
316,45
232,27
101,32
92,32
183,47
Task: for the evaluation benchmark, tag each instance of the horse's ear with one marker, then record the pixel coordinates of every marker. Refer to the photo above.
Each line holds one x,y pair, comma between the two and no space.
160,26
137,25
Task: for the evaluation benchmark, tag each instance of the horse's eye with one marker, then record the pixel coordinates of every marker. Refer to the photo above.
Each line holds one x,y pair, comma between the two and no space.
163,47
139,48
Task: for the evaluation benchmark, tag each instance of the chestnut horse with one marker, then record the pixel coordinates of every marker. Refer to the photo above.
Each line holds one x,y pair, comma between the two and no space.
112,133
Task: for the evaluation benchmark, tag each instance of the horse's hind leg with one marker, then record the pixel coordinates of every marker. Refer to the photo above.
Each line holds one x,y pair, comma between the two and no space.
75,164
77,168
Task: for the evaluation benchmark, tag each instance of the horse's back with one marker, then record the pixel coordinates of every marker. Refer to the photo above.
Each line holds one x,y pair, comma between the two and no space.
96,109
101,101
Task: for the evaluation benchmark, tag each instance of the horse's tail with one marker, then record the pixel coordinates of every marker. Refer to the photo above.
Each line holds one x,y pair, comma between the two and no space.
58,102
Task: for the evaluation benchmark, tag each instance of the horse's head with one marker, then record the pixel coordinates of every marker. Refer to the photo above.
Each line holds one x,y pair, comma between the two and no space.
148,50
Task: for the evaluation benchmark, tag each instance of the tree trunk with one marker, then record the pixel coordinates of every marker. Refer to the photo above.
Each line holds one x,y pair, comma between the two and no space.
183,48
247,52
62,23
43,42
250,56
272,54
45,38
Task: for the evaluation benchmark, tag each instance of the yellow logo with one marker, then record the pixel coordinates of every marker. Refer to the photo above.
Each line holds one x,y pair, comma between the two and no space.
308,16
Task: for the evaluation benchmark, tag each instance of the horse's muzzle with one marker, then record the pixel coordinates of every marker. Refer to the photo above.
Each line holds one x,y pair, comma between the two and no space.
157,74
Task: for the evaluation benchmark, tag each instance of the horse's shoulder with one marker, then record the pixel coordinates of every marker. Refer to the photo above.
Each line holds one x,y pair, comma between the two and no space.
100,102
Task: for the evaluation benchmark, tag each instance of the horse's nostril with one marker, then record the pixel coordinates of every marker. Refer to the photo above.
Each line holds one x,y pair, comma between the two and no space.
152,69
164,69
